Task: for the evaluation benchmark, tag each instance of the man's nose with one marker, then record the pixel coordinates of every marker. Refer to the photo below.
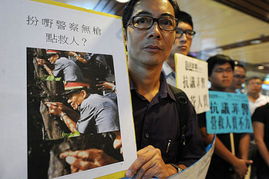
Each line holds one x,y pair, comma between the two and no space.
155,30
183,38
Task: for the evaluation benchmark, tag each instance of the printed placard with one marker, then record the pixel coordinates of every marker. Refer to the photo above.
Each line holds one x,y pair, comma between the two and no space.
191,77
229,113
66,95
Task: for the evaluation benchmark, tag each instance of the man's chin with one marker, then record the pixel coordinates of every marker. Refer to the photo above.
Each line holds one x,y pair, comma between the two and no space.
183,52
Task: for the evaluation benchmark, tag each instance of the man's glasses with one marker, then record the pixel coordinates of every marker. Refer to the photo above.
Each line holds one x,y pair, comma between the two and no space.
240,76
188,33
221,70
168,23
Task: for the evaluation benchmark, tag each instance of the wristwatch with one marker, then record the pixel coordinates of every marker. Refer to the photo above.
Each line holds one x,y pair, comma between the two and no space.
176,167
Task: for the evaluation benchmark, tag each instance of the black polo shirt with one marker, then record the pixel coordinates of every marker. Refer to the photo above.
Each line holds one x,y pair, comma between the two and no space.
157,123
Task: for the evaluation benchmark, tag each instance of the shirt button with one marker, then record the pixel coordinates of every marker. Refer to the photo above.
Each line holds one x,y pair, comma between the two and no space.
147,135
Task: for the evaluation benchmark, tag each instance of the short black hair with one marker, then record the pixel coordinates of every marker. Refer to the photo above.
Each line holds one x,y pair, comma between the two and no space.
129,9
252,78
218,60
186,18
241,66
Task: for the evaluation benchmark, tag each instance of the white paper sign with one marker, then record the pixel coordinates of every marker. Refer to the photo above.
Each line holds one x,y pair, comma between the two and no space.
191,77
29,27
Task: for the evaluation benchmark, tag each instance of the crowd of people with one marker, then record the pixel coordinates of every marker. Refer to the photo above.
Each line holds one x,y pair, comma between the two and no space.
147,43
167,141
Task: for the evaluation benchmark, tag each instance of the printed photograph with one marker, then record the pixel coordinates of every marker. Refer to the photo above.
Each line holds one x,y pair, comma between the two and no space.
72,112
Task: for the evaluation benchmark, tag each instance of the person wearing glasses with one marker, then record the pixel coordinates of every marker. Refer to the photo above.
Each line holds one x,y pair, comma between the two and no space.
224,165
239,78
150,32
182,45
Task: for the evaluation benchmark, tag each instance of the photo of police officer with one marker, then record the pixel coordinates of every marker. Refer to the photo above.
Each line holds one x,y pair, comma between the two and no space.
72,109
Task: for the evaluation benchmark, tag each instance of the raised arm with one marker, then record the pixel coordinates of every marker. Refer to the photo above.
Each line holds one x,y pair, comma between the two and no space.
59,109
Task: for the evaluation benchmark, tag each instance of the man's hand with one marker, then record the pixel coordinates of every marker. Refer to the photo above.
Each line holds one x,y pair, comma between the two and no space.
106,85
56,108
86,159
241,167
40,61
149,163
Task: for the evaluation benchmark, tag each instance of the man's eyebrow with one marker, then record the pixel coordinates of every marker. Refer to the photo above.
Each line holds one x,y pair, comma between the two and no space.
142,13
148,13
167,14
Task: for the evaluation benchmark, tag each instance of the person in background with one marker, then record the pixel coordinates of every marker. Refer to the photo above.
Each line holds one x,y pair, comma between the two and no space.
255,98
224,164
182,45
98,114
261,132
61,66
239,78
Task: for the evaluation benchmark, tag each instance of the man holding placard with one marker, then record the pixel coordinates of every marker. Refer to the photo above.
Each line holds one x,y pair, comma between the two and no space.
224,163
150,33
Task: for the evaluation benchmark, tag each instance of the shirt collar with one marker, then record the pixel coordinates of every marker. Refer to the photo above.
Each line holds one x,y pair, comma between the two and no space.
168,71
164,90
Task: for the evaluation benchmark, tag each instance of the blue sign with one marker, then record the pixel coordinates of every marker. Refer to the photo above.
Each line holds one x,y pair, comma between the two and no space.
229,113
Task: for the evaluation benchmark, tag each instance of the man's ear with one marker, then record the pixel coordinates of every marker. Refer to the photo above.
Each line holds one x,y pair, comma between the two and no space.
83,93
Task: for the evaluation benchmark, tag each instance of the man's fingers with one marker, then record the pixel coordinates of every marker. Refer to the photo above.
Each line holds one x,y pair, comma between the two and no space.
77,163
74,169
84,165
68,154
117,143
89,154
144,170
143,156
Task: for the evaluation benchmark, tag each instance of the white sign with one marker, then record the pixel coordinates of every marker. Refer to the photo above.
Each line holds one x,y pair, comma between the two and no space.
198,169
191,77
28,30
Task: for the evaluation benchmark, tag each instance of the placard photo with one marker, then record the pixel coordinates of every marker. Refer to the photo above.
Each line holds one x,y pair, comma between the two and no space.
58,78
68,111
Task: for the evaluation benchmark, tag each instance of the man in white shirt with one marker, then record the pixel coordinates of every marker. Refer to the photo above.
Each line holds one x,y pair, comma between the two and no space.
255,98
182,45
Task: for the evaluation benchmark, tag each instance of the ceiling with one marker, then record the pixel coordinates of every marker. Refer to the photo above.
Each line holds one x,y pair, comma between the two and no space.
238,28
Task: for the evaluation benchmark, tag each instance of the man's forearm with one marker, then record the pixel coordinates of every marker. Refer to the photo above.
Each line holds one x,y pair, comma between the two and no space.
223,152
263,150
69,122
244,146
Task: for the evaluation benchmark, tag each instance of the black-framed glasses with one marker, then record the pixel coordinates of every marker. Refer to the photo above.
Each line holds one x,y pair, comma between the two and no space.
168,23
239,76
188,33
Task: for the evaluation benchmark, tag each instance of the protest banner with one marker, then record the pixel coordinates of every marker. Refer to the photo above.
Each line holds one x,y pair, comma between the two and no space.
90,47
229,113
191,77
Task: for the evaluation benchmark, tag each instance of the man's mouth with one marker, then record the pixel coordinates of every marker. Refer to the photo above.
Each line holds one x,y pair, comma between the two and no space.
152,48
183,47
